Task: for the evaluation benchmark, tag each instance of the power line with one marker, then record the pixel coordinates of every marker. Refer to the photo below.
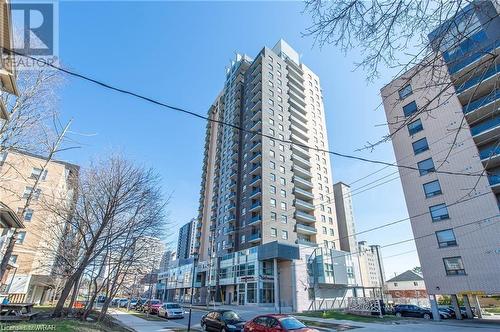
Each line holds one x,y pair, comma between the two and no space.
223,123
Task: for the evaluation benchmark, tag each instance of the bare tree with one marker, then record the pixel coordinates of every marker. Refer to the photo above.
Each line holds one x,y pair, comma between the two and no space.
117,203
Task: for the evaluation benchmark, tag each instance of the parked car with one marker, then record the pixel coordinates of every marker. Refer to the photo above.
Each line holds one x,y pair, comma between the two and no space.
151,306
133,303
171,310
139,305
222,321
410,310
114,302
275,323
122,303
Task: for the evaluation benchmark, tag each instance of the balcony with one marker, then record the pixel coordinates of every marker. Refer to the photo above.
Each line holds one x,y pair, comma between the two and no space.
494,180
256,180
303,194
300,151
296,98
298,140
256,125
301,117
256,116
490,155
255,168
305,242
299,132
256,157
304,217
302,183
256,206
298,106
232,196
486,130
231,218
231,207
303,205
479,84
229,230
467,55
229,245
299,125
256,192
304,229
256,237
301,172
299,161
255,220
483,106
255,146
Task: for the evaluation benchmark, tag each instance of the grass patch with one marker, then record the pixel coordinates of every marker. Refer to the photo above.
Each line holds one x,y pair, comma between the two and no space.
332,314
142,315
493,310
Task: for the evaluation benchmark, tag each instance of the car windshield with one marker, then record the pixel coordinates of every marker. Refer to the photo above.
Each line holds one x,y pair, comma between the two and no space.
230,315
173,306
291,323
155,302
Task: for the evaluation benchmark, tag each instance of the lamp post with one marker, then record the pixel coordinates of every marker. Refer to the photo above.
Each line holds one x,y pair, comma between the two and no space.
193,277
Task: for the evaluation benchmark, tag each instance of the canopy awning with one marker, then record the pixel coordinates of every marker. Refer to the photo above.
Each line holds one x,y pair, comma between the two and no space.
9,218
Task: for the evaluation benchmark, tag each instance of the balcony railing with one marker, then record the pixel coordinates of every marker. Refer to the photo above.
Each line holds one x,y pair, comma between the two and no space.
483,101
229,245
485,126
306,242
303,192
256,205
304,216
478,79
254,237
255,219
305,228
255,180
473,55
489,152
304,204
494,179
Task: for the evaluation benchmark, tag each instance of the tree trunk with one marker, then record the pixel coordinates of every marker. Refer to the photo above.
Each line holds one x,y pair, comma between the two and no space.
8,254
75,294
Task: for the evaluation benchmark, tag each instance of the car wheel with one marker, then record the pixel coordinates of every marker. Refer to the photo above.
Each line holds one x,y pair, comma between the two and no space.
223,330
203,327
427,316
398,314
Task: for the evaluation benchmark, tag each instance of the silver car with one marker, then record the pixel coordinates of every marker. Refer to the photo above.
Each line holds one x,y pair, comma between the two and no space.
171,310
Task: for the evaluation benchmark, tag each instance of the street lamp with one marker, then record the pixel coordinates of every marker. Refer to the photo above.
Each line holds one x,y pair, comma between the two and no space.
193,277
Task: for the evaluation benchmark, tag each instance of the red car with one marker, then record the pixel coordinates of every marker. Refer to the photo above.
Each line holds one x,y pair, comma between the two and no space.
152,306
273,323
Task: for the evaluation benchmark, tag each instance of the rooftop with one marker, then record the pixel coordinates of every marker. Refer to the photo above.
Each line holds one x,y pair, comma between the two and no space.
406,276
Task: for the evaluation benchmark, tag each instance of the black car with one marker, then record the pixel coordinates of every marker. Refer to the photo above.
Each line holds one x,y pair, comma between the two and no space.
222,321
410,310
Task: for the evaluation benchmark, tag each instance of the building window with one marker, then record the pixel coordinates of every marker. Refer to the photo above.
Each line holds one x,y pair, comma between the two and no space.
410,109
420,146
28,214
273,177
283,206
426,166
405,91
20,237
283,193
284,235
274,232
272,189
324,230
13,259
439,212
273,216
395,284
37,173
36,193
454,266
282,169
283,181
432,189
332,232
415,127
284,219
272,165
446,238
415,283
272,201
242,239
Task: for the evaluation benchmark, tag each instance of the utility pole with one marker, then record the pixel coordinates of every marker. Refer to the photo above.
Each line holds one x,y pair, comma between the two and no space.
193,277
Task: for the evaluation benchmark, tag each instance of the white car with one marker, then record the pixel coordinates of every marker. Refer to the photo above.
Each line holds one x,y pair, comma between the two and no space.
171,310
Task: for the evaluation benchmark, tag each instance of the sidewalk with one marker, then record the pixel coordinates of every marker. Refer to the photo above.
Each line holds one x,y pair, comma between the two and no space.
142,325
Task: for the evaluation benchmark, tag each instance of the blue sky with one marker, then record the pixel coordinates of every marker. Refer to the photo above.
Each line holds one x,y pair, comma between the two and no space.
177,53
